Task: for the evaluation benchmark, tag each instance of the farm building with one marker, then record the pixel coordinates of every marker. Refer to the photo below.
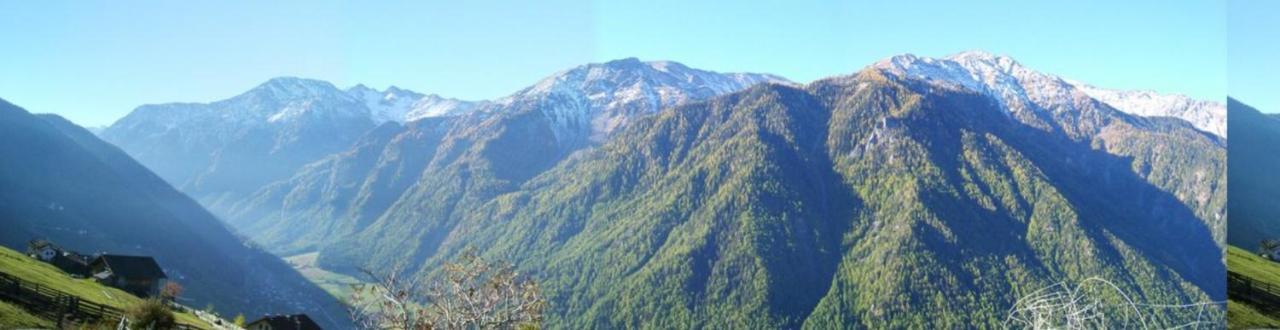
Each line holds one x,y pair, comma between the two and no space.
68,261
141,276
283,322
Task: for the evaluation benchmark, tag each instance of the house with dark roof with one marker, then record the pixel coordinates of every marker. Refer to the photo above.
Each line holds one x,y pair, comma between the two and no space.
75,264
138,275
283,322
68,261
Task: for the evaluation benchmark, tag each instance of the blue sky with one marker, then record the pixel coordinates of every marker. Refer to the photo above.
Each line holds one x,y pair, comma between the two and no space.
1253,50
93,62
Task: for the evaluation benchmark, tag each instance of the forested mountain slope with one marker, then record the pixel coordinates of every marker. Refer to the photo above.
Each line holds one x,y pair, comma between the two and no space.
872,199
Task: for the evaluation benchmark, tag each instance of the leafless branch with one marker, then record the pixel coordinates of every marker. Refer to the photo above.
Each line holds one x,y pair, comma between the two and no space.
469,293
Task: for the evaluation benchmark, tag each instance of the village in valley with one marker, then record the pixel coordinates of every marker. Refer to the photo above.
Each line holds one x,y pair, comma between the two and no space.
140,277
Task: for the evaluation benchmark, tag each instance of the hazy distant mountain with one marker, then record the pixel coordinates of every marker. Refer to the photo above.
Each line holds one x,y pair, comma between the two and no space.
343,192
95,129
1254,182
60,182
223,151
227,149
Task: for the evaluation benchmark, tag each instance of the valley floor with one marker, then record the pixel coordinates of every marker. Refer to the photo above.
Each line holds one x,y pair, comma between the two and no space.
336,284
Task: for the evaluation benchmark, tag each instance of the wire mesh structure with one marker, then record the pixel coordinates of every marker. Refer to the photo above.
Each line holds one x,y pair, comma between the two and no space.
1096,303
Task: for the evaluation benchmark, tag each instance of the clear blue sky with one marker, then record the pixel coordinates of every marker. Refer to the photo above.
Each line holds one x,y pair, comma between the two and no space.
95,61
1253,53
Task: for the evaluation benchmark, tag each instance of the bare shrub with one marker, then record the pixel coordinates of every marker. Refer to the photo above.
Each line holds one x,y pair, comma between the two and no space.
469,293
150,314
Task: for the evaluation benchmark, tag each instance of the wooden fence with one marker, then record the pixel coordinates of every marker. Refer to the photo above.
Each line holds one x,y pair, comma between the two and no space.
1244,287
56,305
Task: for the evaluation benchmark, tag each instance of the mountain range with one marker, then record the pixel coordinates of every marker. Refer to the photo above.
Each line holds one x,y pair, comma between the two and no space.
63,184
916,192
299,132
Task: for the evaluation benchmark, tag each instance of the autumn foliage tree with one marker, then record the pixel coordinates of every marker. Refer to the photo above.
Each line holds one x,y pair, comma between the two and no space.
171,291
470,293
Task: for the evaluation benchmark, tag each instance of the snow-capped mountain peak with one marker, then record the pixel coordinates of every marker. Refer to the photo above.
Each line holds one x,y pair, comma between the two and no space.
286,88
975,70
983,58
618,75
602,97
285,100
384,106
1018,88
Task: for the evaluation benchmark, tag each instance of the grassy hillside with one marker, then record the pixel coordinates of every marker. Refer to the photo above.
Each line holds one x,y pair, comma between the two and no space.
14,317
17,264
1242,315
1245,316
1248,264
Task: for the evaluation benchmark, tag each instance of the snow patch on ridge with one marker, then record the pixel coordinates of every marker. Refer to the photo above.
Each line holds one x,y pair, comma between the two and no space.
592,101
1204,115
1018,88
401,105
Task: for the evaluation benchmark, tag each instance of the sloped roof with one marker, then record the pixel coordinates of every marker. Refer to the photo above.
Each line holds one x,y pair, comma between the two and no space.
131,266
290,322
39,244
65,260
